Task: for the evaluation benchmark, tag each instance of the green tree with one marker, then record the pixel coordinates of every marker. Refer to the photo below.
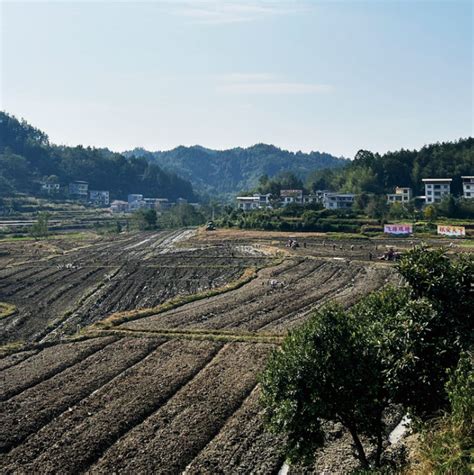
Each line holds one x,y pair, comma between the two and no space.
449,207
398,211
434,328
325,370
430,213
39,229
145,219
377,207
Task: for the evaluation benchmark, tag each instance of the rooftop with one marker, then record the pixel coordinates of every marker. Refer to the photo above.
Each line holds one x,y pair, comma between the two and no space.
291,192
437,179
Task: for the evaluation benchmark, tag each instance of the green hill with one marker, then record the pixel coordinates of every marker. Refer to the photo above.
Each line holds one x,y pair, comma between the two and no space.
374,173
27,158
228,172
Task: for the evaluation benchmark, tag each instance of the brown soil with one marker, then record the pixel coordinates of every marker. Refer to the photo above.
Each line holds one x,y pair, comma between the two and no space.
173,391
180,429
29,410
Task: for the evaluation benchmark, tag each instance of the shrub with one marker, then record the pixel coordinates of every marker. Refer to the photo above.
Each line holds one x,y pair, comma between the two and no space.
447,442
327,369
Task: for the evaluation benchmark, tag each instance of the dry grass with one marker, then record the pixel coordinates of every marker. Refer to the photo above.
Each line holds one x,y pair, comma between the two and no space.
122,317
6,309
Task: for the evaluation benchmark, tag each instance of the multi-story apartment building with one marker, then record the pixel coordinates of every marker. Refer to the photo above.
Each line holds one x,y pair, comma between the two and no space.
436,189
468,187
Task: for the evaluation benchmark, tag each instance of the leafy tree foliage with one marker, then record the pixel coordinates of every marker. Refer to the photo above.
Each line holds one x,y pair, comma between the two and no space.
430,213
447,441
326,370
373,173
145,219
27,158
395,345
39,229
182,215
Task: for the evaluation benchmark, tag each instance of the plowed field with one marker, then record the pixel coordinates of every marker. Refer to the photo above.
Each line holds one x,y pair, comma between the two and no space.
175,328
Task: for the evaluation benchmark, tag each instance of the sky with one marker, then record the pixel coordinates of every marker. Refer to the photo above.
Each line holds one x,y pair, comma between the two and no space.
333,76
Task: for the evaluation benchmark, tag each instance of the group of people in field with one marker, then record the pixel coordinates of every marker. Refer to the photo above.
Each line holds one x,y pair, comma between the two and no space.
391,254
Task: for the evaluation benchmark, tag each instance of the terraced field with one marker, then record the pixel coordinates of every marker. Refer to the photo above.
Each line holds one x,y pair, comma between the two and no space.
152,385
56,295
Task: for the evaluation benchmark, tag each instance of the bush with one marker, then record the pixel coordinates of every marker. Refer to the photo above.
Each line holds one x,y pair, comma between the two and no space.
447,442
327,369
396,345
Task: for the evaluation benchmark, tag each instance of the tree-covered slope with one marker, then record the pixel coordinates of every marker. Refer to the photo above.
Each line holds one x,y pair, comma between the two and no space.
375,173
230,171
27,158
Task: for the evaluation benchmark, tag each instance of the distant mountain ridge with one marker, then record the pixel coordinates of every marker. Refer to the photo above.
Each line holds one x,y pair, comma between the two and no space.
226,172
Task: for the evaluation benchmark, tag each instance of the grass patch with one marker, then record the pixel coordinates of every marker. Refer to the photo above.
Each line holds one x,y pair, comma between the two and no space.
334,235
465,243
6,309
11,347
213,335
75,236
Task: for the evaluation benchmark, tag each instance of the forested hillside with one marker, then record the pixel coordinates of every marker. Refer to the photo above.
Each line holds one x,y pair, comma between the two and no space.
230,171
27,158
373,173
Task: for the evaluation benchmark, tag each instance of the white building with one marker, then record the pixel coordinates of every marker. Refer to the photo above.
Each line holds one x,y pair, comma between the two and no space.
248,203
468,187
436,189
118,206
401,195
99,197
291,196
79,189
338,200
320,194
134,197
256,201
50,188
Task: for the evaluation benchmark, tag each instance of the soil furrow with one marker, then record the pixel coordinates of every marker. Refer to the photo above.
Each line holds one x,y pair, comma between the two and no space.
195,414
242,445
46,364
97,422
32,409
15,358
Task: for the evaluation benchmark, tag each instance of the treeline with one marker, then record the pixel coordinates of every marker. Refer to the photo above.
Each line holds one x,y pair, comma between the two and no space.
410,346
27,158
226,172
367,216
374,173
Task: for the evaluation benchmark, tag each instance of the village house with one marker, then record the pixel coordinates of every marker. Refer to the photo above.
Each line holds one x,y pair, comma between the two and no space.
468,187
338,200
247,203
118,206
99,197
291,196
50,188
162,204
401,195
133,197
79,189
436,189
256,201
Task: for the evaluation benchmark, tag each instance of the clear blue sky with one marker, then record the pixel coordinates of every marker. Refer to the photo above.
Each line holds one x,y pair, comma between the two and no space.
303,75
